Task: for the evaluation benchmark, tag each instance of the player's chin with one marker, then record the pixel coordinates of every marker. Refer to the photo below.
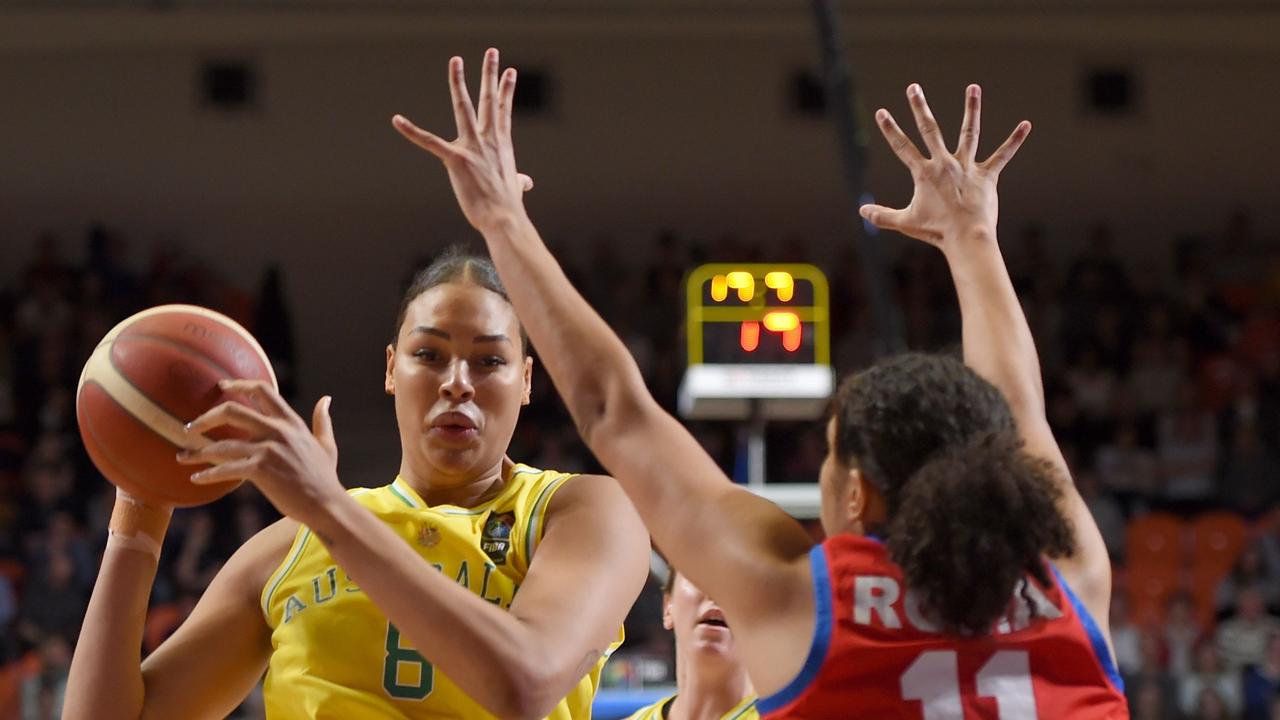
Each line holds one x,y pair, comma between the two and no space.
452,456
712,638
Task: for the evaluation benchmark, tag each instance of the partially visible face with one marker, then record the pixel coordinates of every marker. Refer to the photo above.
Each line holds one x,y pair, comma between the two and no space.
1207,660
459,377
698,623
833,485
1180,612
1251,604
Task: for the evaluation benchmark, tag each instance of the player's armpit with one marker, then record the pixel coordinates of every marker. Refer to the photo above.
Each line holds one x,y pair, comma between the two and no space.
213,660
584,577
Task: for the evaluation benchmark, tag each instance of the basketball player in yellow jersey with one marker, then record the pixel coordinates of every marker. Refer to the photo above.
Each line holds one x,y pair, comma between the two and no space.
711,683
397,601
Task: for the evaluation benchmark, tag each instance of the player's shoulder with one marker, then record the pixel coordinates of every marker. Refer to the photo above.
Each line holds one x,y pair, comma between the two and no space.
538,491
656,711
548,482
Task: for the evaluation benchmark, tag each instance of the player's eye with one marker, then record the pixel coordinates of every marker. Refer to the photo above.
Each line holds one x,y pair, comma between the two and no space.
493,361
426,354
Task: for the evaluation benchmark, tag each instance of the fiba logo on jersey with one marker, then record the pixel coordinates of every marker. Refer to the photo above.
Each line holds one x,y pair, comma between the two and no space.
495,540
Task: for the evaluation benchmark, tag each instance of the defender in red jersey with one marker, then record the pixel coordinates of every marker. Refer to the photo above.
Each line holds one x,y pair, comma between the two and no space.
875,654
987,597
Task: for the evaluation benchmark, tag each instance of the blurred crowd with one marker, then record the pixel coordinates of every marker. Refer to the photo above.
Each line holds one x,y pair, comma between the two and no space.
1162,381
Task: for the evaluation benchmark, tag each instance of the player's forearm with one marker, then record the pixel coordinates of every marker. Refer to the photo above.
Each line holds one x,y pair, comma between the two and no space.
105,680
486,651
597,378
594,372
997,339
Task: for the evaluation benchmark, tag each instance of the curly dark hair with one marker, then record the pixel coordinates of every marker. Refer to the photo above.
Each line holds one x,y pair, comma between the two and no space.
455,264
970,512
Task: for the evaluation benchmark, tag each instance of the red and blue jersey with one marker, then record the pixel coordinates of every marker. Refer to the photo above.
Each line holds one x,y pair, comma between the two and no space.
874,654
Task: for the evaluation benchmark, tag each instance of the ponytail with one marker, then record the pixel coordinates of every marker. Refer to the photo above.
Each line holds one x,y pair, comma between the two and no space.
971,523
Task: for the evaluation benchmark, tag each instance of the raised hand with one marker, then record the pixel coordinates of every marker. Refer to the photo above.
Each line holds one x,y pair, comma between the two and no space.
481,161
953,192
295,466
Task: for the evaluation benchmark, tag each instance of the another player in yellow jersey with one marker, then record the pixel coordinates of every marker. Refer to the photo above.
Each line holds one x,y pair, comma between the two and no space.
711,683
397,601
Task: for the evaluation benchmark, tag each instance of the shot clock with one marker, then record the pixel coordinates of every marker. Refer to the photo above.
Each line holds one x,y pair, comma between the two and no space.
759,342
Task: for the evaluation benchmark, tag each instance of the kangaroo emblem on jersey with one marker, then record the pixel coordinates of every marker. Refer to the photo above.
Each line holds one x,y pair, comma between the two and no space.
495,540
429,535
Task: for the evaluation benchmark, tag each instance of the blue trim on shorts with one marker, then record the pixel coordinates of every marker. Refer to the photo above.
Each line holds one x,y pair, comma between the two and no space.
1099,642
821,636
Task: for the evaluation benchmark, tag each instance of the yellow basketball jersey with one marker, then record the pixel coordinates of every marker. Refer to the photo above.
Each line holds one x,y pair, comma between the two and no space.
335,655
745,710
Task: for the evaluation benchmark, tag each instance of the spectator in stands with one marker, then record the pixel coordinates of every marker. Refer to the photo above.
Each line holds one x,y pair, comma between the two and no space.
1251,569
1182,632
1044,315
1105,510
1211,706
1152,669
1242,639
196,562
1127,469
43,692
1269,397
1261,683
1159,368
62,535
8,613
1188,451
1248,480
52,603
1209,675
1092,383
1149,701
1125,635
49,485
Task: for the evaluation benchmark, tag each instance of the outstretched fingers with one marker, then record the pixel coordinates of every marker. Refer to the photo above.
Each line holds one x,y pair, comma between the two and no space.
506,98
925,121
885,218
898,141
487,104
1008,149
430,142
463,111
967,148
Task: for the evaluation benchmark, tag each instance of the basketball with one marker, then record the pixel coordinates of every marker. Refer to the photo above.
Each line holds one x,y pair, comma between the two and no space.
153,373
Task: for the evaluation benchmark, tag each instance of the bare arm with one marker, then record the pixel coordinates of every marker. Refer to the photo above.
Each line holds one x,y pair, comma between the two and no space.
954,207
720,535
209,664
517,663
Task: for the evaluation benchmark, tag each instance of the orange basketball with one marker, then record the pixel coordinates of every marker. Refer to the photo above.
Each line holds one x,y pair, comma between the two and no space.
150,375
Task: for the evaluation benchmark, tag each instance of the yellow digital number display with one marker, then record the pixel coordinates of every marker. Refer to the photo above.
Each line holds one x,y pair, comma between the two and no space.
758,313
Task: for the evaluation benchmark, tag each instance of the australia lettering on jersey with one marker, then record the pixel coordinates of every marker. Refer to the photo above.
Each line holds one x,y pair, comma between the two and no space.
334,582
879,600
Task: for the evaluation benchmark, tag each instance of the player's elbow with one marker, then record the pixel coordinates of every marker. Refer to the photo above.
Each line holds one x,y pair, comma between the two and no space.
526,692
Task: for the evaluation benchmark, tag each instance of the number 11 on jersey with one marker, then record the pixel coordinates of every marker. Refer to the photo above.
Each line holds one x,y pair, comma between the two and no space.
934,680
